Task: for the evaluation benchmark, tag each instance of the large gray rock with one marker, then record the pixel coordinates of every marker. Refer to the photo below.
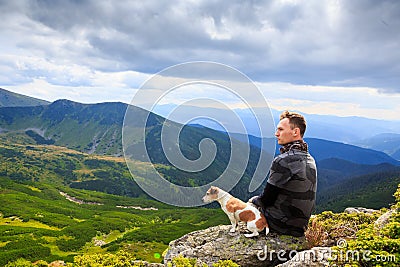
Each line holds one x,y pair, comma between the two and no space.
217,243
384,219
352,210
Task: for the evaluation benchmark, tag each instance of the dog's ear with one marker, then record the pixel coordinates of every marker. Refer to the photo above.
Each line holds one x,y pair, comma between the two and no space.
214,190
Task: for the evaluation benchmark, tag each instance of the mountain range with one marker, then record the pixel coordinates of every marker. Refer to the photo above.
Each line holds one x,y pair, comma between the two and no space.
385,142
97,129
353,130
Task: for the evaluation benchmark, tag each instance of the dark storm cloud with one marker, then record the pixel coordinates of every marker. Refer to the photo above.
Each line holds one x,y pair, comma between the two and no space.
346,43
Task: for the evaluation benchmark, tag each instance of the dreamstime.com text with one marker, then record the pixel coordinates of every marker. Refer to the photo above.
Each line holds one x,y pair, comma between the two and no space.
331,254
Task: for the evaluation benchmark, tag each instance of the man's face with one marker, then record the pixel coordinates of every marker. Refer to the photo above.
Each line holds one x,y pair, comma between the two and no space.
285,134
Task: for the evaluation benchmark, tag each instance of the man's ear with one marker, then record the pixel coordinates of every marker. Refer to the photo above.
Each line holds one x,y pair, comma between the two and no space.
296,131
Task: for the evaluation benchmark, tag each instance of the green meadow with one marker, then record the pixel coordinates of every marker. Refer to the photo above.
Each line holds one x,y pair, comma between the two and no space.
39,222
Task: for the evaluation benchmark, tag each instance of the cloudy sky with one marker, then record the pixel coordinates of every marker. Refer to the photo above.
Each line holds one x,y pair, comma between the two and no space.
320,57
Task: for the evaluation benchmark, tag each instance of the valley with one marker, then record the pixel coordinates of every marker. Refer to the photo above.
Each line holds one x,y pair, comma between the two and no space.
37,222
65,189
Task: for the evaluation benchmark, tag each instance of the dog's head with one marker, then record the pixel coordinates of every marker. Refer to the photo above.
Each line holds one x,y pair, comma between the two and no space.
211,195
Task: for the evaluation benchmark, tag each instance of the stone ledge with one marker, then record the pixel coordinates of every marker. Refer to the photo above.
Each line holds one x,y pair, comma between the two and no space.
217,243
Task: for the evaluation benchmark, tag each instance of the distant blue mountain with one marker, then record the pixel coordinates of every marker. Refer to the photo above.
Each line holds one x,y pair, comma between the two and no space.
396,155
348,130
323,149
385,142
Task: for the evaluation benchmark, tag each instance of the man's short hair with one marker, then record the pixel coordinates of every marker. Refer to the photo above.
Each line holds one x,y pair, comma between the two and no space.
295,120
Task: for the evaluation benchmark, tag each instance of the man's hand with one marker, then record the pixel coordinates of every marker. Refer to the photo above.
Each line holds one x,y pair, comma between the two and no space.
251,200
256,202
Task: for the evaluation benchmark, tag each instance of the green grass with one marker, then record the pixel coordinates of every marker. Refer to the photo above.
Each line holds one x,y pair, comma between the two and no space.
15,221
31,178
43,219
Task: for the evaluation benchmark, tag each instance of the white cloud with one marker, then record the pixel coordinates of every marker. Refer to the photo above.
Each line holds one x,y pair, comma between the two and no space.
318,55
342,101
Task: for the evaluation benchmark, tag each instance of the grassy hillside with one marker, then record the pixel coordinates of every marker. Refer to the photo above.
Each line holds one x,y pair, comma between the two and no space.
359,239
341,183
62,166
96,129
110,177
369,191
62,122
334,171
37,222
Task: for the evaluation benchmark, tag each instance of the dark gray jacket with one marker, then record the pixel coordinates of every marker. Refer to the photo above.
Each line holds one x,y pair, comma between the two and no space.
288,199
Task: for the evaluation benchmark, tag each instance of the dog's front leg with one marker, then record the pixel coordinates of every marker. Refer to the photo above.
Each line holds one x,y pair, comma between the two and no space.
233,222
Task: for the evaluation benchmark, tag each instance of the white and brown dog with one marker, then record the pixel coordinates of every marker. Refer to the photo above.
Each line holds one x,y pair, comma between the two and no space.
237,210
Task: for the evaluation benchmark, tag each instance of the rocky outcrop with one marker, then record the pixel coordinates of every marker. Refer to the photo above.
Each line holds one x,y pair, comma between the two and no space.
352,210
217,243
78,201
210,245
384,219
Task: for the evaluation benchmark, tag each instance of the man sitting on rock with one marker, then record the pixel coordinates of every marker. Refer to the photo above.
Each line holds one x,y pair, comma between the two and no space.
289,196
